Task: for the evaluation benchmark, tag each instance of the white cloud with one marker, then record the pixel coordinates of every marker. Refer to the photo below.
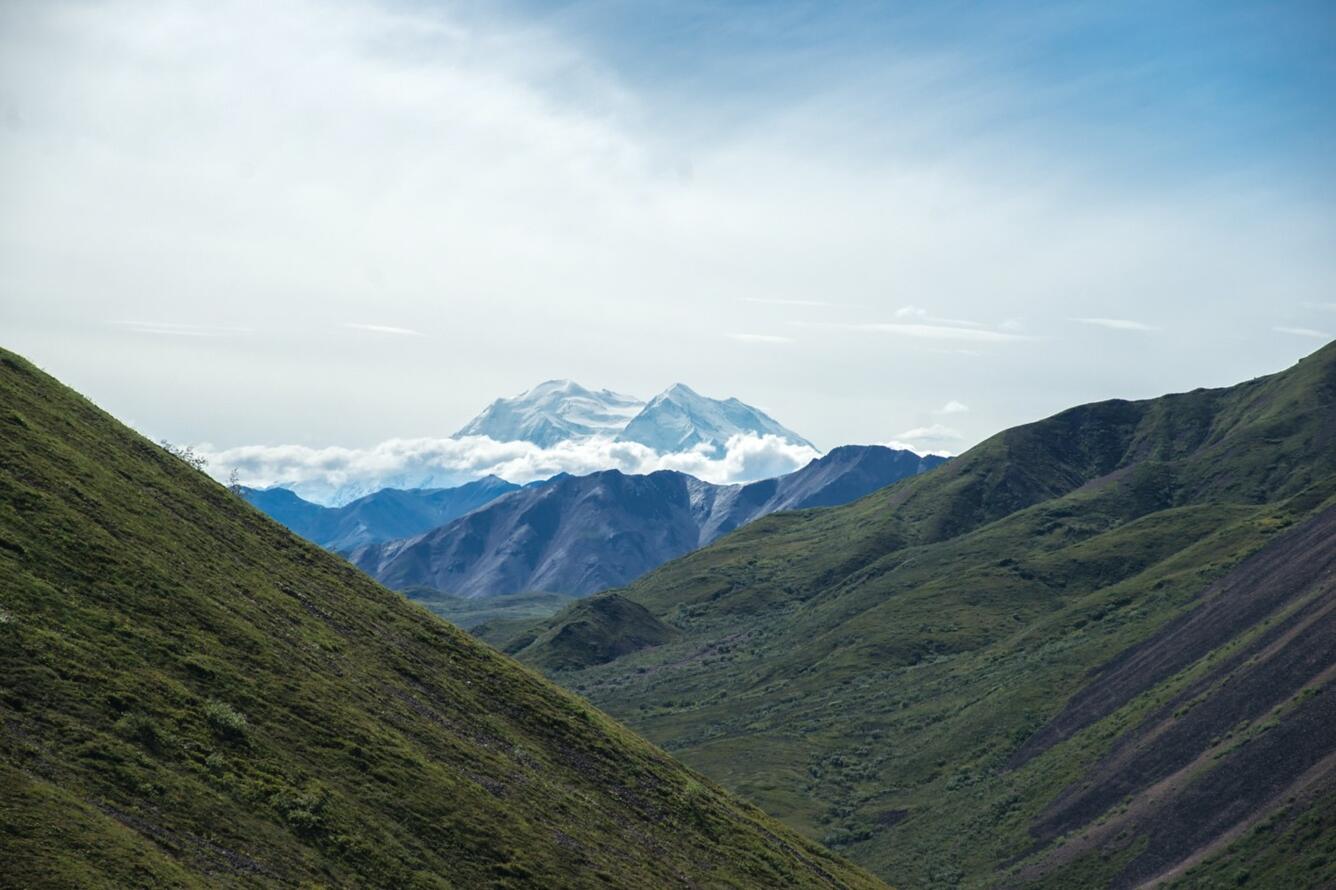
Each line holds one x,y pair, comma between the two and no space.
761,338
1303,332
918,448
932,439
941,332
953,407
1117,324
933,433
1321,307
383,329
775,302
921,314
336,475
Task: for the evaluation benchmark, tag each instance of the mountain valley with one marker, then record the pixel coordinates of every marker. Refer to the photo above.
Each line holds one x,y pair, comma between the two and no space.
1095,650
193,696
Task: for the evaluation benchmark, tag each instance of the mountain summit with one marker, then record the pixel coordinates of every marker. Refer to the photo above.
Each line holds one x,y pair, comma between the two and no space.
680,419
554,411
677,419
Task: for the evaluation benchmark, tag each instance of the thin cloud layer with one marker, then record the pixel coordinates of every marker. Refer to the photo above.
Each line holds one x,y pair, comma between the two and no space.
776,302
1117,324
943,332
383,329
336,475
1303,332
918,313
935,438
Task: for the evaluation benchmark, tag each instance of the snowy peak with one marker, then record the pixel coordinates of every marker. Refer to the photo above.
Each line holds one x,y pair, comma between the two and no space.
679,419
554,411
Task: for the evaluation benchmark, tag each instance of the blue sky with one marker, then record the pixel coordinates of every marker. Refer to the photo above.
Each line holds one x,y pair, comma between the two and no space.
1139,88
230,223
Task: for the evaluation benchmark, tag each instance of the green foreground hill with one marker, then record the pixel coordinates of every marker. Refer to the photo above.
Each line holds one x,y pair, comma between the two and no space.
1096,650
192,696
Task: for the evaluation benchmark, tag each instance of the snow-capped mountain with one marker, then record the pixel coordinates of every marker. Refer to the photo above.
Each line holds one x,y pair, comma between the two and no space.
554,411
679,419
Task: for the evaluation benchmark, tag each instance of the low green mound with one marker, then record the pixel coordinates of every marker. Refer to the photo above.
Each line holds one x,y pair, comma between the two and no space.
593,631
192,696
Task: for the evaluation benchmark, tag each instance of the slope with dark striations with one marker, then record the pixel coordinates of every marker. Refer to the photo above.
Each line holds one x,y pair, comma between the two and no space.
1252,728
191,696
1095,650
581,534
381,516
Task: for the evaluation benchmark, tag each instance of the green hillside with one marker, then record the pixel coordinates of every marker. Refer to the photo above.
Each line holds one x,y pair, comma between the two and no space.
592,631
192,696
1094,650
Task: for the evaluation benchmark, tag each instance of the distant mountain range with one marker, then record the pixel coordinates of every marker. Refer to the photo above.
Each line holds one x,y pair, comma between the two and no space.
551,414
677,419
386,514
581,534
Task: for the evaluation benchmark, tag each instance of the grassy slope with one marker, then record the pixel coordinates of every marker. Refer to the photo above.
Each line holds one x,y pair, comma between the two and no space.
866,672
192,696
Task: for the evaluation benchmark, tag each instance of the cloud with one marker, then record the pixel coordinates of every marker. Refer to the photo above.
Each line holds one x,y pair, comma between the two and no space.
1321,307
1116,324
507,187
941,332
918,448
761,338
918,312
953,407
775,302
383,329
336,475
931,439
1303,332
934,433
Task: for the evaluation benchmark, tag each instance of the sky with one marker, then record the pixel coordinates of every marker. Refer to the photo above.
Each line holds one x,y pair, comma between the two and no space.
340,225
